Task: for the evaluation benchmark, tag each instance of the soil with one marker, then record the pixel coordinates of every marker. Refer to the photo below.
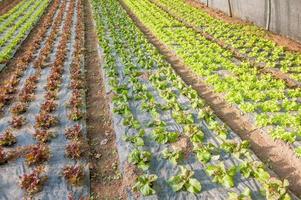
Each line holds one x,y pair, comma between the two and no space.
106,180
7,5
131,173
277,154
184,145
284,41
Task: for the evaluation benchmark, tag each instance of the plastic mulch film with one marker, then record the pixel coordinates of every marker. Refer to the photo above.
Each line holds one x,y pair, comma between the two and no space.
159,166
55,187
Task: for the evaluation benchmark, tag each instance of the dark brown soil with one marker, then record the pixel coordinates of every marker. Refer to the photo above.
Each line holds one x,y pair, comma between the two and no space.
184,145
281,40
7,5
279,155
106,180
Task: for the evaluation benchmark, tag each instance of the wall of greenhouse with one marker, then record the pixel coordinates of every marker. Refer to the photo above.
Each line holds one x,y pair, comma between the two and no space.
285,15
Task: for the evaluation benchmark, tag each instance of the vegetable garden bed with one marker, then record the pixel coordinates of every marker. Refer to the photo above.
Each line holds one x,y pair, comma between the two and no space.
46,120
158,119
151,99
16,25
269,103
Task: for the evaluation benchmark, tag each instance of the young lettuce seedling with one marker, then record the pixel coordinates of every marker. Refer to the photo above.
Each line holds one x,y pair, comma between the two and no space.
33,182
174,156
137,140
185,181
221,175
73,174
43,136
140,158
7,138
245,195
238,149
276,189
206,152
161,136
144,184
74,132
194,133
75,149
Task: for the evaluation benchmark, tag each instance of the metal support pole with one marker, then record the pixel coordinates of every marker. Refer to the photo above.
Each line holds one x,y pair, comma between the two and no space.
269,11
230,9
207,3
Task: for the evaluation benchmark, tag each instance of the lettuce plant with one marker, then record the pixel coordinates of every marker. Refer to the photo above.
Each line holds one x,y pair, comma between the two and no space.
74,174
282,134
19,108
185,181
33,182
130,121
75,149
174,156
222,175
245,195
206,152
183,118
140,158
49,106
137,140
7,138
37,154
17,121
195,133
43,136
206,113
45,120
218,128
276,189
76,114
161,136
238,149
74,132
144,184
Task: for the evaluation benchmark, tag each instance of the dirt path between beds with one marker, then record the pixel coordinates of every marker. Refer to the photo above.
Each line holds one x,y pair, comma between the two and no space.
276,153
106,180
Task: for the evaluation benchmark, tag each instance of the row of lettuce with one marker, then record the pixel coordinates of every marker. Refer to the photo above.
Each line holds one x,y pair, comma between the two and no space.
247,39
37,108
144,84
16,24
269,102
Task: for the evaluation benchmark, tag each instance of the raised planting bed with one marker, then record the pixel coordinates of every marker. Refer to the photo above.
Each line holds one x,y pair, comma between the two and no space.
43,162
170,143
268,103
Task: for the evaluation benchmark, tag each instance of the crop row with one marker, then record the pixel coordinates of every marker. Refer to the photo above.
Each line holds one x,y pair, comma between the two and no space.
9,87
45,116
6,6
164,129
247,39
16,24
269,102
